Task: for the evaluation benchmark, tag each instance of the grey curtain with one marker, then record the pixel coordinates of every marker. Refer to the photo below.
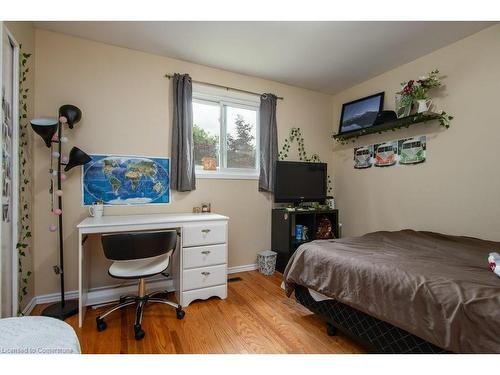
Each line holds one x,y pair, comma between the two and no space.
268,142
182,176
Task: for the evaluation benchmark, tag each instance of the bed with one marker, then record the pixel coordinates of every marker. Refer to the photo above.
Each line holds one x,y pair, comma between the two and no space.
403,291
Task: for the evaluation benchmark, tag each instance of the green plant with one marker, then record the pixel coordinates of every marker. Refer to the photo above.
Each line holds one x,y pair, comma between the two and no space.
418,89
205,144
410,91
296,134
24,236
444,119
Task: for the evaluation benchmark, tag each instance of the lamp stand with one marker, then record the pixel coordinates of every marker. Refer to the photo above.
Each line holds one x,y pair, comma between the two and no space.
62,309
59,311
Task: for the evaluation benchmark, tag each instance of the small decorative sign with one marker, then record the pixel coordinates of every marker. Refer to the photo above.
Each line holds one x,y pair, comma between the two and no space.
406,151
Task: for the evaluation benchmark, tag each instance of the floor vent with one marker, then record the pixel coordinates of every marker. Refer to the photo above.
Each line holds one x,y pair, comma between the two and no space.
233,279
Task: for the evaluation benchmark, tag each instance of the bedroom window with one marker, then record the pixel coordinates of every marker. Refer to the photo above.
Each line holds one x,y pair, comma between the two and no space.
225,135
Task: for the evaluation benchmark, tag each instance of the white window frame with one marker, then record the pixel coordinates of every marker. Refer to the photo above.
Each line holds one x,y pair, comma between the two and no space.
223,172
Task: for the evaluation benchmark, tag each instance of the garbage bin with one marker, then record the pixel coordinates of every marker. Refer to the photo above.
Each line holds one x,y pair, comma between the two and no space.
266,261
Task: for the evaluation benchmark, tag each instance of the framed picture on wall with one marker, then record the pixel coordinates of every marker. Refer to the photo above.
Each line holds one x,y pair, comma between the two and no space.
360,113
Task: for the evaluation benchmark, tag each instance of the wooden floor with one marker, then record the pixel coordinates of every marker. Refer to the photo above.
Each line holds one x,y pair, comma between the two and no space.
256,317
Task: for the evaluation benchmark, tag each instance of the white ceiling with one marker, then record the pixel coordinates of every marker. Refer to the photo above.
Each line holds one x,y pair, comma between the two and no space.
322,56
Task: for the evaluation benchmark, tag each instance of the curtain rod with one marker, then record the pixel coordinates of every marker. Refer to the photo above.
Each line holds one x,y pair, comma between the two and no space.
223,87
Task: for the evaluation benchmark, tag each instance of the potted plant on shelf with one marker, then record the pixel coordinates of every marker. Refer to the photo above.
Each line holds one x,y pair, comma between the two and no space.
416,92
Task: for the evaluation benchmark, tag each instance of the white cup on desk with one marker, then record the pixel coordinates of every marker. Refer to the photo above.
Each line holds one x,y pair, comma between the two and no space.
96,210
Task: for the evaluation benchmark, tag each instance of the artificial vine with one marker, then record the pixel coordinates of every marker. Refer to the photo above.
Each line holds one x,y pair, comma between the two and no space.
24,239
296,134
445,119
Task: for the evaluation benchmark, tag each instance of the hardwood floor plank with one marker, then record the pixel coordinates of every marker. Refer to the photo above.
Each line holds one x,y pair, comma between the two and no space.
257,317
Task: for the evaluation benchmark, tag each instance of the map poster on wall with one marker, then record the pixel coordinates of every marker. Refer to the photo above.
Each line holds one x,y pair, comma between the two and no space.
126,180
405,151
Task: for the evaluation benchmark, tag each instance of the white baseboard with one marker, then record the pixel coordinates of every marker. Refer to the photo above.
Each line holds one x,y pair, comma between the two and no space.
106,294
55,297
29,307
245,268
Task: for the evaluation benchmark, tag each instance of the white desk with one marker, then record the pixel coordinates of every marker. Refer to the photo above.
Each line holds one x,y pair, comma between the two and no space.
199,267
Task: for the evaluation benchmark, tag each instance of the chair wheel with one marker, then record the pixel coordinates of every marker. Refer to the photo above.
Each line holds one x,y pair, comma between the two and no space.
331,330
101,324
139,333
180,313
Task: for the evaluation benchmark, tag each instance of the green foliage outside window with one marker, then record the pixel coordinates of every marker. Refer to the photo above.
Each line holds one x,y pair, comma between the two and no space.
241,149
205,144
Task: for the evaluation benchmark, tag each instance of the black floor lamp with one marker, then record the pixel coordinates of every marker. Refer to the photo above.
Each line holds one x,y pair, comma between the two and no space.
51,130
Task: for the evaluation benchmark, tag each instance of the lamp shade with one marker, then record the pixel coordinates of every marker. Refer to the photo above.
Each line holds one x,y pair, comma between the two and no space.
76,157
72,114
45,128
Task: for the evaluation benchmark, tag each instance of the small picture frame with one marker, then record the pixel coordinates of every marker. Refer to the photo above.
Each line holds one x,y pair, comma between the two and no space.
361,113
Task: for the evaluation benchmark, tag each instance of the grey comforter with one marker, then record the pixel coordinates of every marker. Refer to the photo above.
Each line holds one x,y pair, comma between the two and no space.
434,286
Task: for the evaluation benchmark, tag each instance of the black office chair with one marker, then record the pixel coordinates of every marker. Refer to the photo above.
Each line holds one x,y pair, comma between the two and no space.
137,255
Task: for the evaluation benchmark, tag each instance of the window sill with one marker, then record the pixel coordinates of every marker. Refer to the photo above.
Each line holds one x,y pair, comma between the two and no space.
226,176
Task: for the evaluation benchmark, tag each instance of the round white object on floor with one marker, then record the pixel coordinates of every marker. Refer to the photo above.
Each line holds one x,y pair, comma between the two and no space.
37,335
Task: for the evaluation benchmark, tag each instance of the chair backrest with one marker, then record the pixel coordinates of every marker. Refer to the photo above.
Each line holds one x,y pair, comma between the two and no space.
138,245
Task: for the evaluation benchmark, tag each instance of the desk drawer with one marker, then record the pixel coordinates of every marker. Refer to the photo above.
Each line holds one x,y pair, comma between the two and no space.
204,234
204,277
202,256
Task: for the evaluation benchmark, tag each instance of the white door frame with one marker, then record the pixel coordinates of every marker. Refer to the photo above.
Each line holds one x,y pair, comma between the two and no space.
15,174
15,164
1,140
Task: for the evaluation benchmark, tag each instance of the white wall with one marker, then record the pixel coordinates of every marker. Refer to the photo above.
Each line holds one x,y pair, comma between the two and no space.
125,100
457,189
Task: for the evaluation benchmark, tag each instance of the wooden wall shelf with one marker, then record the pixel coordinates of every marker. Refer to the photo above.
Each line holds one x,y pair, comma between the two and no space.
391,125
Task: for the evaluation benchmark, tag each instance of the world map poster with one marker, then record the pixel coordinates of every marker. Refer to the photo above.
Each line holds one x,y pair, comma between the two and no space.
126,180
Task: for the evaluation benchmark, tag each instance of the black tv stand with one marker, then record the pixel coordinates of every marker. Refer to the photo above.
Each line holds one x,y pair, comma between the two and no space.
283,239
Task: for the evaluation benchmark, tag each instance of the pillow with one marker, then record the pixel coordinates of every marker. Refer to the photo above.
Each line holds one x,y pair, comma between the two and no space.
494,262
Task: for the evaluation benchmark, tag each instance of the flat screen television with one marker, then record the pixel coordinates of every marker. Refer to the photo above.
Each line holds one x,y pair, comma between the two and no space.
360,114
300,182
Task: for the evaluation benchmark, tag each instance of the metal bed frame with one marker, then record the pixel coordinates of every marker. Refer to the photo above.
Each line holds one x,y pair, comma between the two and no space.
376,335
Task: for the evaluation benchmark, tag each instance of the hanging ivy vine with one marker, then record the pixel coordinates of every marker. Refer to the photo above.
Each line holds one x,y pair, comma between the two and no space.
296,135
24,239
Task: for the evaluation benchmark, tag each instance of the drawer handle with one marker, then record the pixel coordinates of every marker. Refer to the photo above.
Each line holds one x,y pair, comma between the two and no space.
205,273
205,231
206,252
